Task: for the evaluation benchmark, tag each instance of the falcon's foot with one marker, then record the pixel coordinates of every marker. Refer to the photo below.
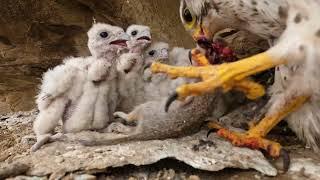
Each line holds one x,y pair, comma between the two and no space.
226,76
254,137
251,141
251,89
274,149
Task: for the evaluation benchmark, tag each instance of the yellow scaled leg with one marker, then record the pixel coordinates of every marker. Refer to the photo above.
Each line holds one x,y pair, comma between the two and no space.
192,89
254,137
179,71
251,89
226,76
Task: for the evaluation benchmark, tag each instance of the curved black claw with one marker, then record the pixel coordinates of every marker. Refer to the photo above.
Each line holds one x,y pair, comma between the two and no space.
190,57
211,131
286,159
171,98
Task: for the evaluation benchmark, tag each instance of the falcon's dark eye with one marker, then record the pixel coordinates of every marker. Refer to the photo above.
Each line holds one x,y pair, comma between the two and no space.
151,53
133,33
187,16
104,34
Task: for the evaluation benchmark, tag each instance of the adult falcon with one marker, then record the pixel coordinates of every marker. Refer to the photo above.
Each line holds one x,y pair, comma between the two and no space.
293,26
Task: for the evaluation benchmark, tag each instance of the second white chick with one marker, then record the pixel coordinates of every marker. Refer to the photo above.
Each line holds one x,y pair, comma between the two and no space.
130,68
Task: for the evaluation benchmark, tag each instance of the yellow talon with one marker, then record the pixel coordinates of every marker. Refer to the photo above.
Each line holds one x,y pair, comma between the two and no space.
194,89
210,75
225,76
199,58
172,71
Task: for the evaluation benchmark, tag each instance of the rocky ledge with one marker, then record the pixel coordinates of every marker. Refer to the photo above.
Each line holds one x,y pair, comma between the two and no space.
60,159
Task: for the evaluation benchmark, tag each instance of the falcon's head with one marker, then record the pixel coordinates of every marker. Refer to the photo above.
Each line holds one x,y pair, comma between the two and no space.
139,32
201,19
104,39
140,37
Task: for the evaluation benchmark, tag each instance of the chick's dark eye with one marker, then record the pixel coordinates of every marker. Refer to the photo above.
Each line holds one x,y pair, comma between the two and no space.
187,16
104,34
151,53
133,33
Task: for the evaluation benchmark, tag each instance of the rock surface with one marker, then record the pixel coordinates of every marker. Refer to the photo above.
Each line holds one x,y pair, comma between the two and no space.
60,159
212,154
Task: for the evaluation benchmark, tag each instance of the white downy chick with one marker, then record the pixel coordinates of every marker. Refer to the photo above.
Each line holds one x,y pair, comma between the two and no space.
73,88
130,68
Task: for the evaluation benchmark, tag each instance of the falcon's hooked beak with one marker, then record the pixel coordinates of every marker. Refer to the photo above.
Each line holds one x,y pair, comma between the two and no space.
203,39
201,34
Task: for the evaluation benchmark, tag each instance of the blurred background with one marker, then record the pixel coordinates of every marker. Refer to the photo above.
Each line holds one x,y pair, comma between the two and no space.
36,35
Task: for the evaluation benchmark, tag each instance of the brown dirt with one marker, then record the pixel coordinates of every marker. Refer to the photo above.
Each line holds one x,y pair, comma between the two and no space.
11,136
